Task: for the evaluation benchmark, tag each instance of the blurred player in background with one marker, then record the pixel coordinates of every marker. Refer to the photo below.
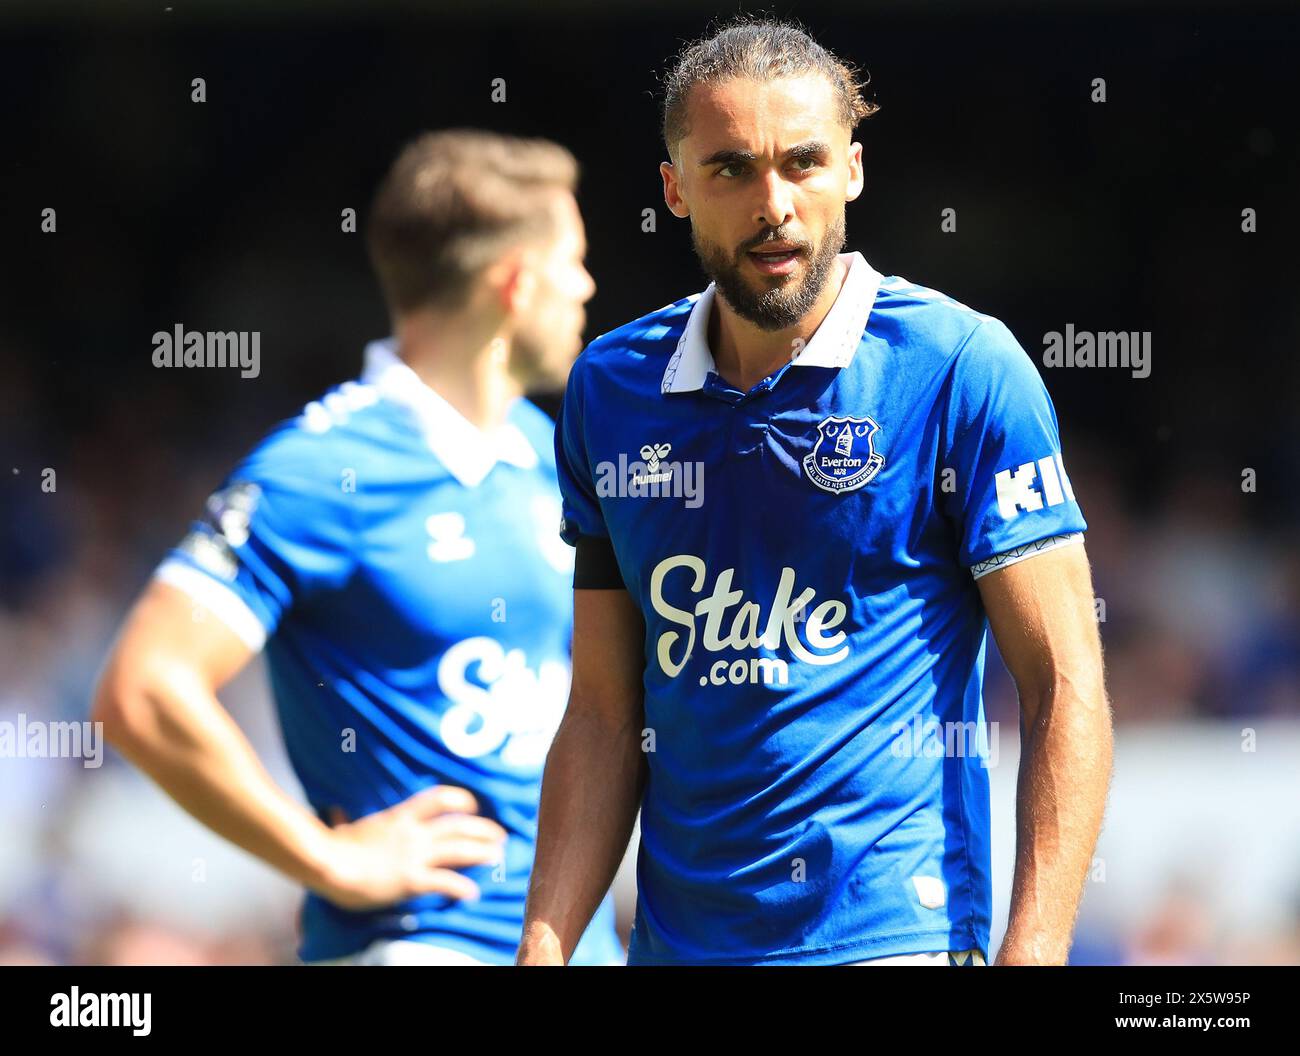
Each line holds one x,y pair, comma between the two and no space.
781,607
393,549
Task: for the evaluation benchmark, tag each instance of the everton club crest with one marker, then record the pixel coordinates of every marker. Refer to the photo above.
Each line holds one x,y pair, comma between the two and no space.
843,458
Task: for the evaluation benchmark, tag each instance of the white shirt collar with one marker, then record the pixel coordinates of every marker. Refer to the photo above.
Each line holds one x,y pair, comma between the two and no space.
467,452
833,345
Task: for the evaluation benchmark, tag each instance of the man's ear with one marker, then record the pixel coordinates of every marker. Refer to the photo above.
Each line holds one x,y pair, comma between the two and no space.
672,191
856,179
512,281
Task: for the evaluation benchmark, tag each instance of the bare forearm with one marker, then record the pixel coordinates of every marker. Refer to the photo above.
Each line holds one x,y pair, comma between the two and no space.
591,792
1061,791
181,736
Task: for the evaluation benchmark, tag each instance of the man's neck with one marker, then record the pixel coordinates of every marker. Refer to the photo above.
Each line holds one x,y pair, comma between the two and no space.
744,354
467,369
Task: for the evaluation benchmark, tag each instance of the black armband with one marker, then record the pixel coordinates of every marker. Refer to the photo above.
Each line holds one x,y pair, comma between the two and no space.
595,567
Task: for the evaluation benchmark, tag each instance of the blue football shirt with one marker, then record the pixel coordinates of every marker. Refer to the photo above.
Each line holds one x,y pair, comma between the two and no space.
402,569
805,556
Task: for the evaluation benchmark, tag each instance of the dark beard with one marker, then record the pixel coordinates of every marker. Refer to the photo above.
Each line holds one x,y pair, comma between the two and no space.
774,309
533,364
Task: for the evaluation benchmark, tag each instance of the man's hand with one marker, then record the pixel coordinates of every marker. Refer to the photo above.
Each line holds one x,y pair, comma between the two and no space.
540,948
1031,950
595,774
157,701
410,849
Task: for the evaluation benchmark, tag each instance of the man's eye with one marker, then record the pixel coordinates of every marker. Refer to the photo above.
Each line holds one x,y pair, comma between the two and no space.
732,171
805,163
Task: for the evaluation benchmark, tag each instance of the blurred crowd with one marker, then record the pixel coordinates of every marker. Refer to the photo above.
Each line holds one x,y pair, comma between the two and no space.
1199,611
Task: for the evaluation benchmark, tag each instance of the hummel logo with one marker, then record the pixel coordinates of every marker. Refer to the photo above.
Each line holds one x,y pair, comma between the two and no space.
652,477
652,453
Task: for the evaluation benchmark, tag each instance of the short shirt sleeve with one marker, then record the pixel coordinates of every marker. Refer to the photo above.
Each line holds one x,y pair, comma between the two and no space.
581,513
277,531
1004,482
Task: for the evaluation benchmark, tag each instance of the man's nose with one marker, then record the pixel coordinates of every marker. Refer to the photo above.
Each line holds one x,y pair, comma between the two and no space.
777,205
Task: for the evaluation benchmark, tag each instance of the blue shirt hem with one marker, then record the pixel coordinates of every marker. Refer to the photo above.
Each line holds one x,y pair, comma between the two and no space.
941,940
